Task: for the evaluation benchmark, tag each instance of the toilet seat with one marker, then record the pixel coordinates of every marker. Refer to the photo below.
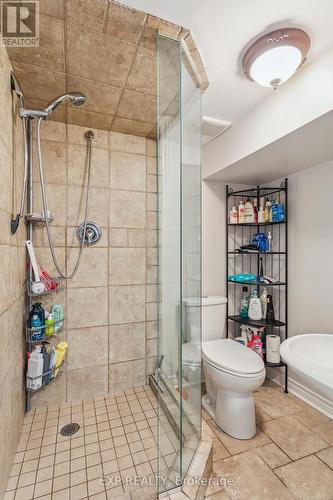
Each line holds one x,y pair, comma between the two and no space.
233,358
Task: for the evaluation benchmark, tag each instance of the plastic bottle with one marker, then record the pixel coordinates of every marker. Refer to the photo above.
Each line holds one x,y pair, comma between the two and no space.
49,325
37,321
269,239
244,310
255,312
35,370
58,316
248,212
275,210
241,212
60,354
233,216
261,213
263,301
268,212
46,363
255,211
270,316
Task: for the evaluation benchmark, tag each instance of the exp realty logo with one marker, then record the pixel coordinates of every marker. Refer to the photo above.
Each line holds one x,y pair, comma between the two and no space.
19,23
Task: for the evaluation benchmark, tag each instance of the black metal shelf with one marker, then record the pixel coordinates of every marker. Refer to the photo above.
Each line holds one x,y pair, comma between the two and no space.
256,283
259,323
275,264
259,224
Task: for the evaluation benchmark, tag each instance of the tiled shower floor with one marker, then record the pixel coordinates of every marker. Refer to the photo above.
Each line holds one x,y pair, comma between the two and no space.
117,441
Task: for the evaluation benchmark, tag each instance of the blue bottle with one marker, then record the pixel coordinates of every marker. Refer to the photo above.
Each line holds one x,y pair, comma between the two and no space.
37,321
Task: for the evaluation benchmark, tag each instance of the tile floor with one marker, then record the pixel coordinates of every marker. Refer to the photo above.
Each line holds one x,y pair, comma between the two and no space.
117,439
291,456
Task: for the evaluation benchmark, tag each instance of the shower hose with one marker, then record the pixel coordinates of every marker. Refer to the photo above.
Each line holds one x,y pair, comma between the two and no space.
44,202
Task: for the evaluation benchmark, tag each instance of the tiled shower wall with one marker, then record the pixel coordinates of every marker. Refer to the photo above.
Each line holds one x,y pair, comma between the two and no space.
111,304
12,275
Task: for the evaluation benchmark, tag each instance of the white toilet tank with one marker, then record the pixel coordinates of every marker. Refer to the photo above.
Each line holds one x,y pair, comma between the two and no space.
213,318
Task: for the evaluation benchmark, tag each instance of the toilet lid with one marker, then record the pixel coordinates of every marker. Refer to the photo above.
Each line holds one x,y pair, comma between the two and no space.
226,354
191,353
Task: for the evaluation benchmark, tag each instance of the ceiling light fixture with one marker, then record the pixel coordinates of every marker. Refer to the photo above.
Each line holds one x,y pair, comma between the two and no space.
275,57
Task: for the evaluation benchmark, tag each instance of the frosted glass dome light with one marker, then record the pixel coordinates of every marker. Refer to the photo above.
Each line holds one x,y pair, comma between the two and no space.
275,57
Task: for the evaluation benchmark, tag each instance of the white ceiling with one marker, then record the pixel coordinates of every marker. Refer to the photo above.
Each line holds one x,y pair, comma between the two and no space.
222,28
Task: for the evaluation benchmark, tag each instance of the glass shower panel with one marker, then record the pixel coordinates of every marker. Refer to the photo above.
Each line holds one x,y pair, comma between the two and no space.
179,261
191,260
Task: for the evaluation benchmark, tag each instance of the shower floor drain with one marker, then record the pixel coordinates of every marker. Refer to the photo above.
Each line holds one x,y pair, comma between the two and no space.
69,429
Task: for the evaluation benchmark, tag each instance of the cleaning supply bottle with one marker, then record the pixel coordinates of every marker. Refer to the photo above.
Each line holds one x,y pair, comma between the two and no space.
58,316
49,325
270,316
248,212
53,356
255,312
255,211
60,354
46,363
263,300
275,210
241,212
245,304
233,216
261,213
37,321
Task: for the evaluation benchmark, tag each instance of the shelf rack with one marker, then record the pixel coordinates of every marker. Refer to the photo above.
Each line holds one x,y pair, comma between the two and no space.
275,264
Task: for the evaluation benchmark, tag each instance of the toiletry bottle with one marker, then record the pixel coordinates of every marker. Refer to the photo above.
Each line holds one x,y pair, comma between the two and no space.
263,301
49,325
270,316
35,370
241,212
245,303
37,321
269,238
268,213
255,211
53,356
261,213
60,354
261,271
244,331
46,363
58,316
233,216
275,210
255,312
248,212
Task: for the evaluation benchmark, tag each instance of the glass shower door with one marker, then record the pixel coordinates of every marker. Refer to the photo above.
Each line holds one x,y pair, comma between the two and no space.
179,255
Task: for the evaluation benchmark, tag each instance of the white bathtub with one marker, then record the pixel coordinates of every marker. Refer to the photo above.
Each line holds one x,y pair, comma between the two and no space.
311,357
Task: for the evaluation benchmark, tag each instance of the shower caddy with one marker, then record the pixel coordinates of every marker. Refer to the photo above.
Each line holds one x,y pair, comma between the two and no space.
275,262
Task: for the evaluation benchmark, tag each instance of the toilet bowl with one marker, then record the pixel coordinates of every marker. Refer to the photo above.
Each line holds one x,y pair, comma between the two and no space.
232,372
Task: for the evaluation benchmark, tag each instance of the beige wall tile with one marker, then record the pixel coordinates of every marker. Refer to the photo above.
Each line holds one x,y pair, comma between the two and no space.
87,307
126,126
50,53
92,17
39,81
152,201
53,393
54,162
86,383
88,51
152,256
151,293
151,183
126,342
98,205
125,23
127,209
127,266
81,116
56,195
77,166
88,347
53,8
126,304
6,165
151,329
142,77
151,311
54,131
136,106
127,171
118,237
151,147
128,374
93,270
101,97
127,143
136,238
151,347
151,166
76,134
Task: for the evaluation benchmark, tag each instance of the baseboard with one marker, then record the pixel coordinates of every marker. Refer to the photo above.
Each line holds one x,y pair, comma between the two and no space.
304,393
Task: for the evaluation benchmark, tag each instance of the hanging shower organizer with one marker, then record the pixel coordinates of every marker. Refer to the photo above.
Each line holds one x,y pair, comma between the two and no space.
275,264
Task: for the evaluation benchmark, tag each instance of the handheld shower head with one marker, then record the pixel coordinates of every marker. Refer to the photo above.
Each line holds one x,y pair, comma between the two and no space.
74,98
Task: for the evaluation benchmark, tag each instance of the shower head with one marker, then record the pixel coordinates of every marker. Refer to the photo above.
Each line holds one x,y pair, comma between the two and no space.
74,98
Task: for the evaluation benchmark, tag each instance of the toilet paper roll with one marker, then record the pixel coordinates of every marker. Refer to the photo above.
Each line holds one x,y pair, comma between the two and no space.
273,349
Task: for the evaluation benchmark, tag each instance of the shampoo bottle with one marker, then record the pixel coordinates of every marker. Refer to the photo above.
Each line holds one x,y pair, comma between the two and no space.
60,354
58,316
248,212
49,325
37,321
233,216
241,212
244,311
255,312
270,316
261,213
255,211
263,301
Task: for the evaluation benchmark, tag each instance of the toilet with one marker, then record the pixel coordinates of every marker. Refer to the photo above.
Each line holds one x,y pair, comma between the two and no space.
232,372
